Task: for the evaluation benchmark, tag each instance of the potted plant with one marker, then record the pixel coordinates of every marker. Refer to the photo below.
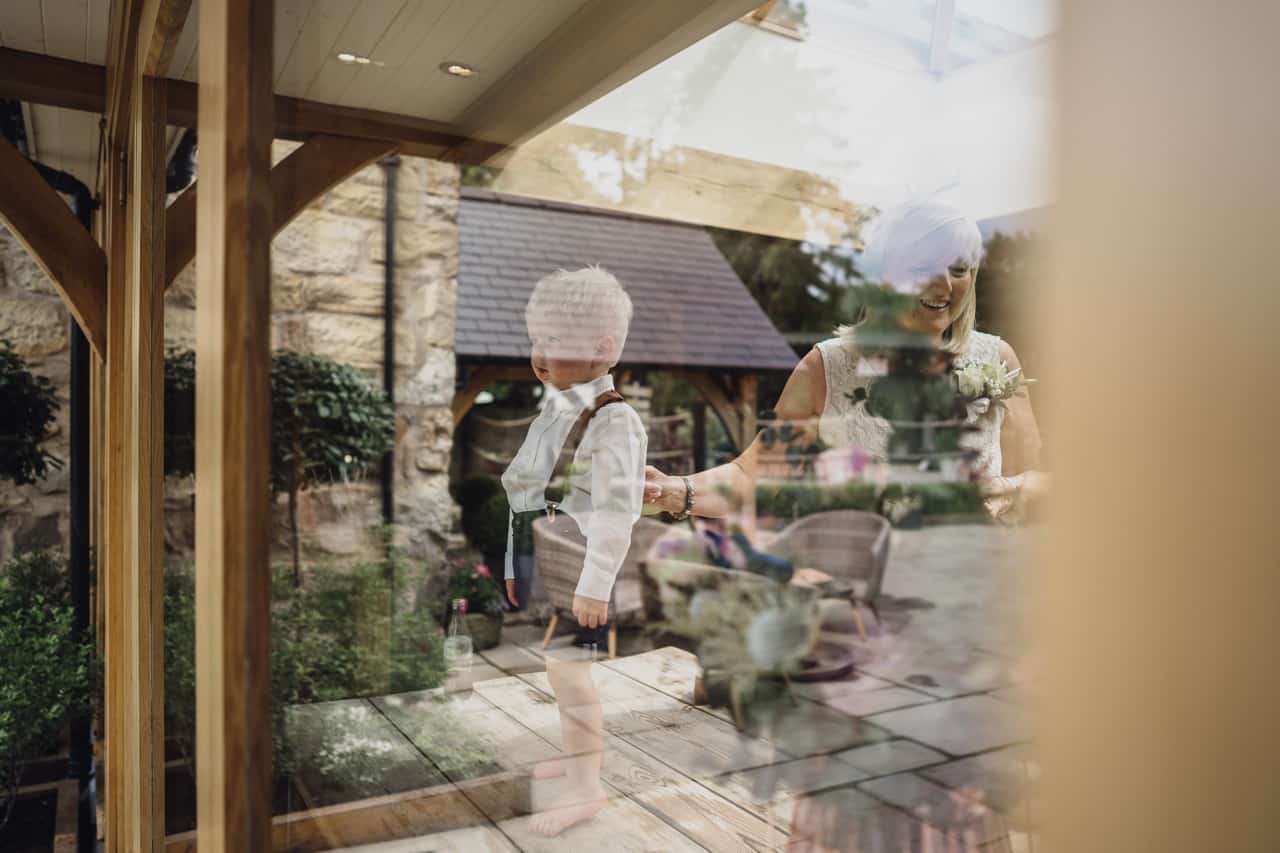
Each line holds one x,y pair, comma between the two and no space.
476,584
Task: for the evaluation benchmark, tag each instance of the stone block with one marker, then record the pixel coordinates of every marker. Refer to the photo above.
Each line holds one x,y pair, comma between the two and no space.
346,338
179,327
432,384
320,242
35,325
18,269
183,290
360,294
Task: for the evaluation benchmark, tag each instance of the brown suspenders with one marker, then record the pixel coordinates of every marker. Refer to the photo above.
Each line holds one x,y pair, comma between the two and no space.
558,485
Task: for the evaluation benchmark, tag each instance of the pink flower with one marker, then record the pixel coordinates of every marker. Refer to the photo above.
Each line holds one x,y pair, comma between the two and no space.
482,570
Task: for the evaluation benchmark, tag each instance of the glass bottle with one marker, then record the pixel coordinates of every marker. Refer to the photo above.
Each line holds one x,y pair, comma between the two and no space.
457,645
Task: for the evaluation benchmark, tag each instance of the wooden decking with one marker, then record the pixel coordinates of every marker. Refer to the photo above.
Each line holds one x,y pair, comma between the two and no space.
680,777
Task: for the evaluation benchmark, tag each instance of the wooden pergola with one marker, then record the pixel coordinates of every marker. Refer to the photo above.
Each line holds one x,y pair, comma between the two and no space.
114,286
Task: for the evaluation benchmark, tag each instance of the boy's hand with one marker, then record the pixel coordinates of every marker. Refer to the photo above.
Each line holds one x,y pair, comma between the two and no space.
590,612
511,592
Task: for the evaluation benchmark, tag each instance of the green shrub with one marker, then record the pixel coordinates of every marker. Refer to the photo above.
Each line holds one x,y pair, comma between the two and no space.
492,524
791,499
30,407
342,633
485,514
46,673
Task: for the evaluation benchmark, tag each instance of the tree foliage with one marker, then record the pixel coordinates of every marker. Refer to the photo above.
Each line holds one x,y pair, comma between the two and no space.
327,423
29,410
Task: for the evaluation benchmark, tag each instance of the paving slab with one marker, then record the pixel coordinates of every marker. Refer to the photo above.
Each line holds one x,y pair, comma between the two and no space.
848,819
788,779
889,757
807,728
513,659
956,816
862,703
958,726
1006,780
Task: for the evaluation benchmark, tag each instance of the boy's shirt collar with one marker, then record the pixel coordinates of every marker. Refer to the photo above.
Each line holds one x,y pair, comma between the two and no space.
577,397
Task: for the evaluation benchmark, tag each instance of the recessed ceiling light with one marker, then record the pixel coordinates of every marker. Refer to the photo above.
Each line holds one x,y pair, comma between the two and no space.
346,57
457,69
357,59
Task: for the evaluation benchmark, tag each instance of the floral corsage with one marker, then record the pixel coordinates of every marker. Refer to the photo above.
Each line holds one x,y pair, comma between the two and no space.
983,384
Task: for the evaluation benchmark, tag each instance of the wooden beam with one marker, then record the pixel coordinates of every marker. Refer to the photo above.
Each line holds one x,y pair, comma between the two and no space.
180,234
122,46
478,379
143,612
308,172
598,48
40,79
158,30
720,400
233,434
44,224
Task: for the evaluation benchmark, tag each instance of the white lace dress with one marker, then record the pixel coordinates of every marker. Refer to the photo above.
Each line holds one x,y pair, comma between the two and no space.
846,423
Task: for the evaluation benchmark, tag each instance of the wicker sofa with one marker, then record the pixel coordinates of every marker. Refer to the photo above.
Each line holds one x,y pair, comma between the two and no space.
850,545
560,548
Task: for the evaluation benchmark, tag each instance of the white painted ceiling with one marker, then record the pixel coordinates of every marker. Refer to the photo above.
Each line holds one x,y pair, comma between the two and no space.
405,41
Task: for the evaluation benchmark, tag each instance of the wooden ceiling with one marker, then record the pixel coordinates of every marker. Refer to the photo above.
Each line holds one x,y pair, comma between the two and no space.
536,60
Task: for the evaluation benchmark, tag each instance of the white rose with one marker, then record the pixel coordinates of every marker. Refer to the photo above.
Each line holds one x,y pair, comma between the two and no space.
970,381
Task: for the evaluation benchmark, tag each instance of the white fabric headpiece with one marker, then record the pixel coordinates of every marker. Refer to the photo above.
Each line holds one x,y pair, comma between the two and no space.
912,243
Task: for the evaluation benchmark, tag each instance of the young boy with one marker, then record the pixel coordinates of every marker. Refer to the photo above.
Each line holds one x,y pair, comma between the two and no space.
577,324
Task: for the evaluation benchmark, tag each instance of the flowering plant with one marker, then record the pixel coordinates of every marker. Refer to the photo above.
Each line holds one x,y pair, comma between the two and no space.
750,631
476,585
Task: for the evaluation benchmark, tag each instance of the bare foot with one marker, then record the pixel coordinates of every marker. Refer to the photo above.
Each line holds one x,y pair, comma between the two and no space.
550,769
570,809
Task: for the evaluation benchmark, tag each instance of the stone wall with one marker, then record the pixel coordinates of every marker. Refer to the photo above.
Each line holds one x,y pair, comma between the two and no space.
327,298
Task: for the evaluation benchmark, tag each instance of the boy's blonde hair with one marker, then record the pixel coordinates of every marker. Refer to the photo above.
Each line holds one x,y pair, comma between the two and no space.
590,299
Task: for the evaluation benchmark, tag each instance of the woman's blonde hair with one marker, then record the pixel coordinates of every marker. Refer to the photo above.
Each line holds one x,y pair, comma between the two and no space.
910,244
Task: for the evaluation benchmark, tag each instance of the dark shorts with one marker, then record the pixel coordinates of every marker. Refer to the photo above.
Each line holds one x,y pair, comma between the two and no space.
525,569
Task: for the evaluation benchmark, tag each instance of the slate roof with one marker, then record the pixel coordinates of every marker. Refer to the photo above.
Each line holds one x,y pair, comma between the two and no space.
691,310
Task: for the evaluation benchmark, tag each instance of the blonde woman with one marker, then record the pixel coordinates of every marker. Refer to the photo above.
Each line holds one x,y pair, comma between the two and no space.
931,251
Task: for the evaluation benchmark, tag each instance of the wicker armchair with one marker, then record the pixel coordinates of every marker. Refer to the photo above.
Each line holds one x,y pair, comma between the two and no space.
560,548
849,545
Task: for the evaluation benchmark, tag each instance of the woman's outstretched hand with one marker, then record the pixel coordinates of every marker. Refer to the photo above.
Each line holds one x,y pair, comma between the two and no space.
663,492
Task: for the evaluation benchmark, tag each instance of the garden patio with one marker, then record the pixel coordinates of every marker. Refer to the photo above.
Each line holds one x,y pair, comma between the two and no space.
928,744
305,705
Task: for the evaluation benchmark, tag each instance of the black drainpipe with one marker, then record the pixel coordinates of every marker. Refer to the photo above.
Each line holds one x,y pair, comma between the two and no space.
81,765
390,166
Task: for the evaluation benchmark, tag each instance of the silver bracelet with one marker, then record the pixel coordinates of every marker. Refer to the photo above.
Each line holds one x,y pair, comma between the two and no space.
688,501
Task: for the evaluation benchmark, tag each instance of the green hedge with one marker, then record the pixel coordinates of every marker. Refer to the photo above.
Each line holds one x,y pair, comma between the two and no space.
796,499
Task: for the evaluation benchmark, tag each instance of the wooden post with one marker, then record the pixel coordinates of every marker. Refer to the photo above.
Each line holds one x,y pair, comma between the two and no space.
115,514
746,403
233,499
699,436
144,478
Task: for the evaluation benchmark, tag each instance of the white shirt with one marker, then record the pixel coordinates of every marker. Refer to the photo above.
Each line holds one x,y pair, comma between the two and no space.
607,490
